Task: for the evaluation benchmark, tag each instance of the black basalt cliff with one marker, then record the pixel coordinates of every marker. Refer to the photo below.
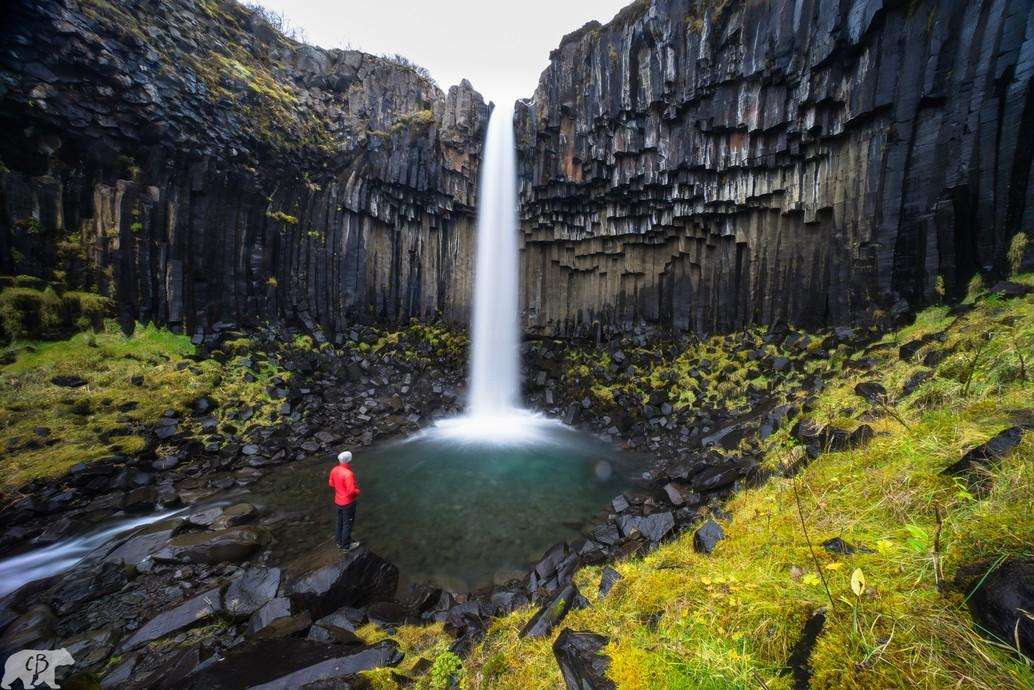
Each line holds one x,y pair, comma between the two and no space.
707,164
694,164
189,159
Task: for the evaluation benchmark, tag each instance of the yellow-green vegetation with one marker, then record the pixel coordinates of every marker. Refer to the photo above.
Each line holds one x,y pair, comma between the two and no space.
421,119
30,308
418,343
415,642
713,371
130,381
680,619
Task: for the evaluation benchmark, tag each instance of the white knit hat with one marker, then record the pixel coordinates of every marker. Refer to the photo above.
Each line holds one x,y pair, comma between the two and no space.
345,456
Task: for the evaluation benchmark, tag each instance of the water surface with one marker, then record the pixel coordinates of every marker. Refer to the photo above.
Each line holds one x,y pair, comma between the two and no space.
457,511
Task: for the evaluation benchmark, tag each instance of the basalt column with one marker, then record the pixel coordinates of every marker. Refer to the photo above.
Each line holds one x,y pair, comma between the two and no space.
706,165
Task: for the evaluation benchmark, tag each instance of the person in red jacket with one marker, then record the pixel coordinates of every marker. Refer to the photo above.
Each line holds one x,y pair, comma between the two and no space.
342,480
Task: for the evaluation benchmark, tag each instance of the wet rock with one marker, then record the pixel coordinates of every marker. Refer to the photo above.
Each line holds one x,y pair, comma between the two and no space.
707,536
140,500
119,676
553,612
234,544
251,591
194,611
91,647
237,514
580,661
204,518
328,579
988,452
619,504
1009,289
145,542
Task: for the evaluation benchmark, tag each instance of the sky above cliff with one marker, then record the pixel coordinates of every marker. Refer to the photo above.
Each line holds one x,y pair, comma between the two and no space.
501,47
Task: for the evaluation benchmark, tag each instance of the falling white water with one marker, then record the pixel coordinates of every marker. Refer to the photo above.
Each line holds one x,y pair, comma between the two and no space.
494,386
494,413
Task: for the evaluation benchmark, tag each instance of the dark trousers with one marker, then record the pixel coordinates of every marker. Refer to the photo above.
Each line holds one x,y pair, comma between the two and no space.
345,518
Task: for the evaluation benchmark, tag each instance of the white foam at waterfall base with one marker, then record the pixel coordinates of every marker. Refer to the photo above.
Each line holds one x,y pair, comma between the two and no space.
493,412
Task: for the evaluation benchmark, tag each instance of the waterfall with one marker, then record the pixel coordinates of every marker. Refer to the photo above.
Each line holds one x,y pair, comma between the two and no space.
495,348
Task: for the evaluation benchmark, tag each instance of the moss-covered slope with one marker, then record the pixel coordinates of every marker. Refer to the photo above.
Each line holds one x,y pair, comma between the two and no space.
732,619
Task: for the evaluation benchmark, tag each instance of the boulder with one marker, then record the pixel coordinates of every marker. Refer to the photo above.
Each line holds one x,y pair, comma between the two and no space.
1002,601
237,514
290,663
716,477
250,592
707,536
680,494
1000,445
233,545
872,391
188,614
327,579
91,647
654,527
145,542
553,612
580,661
339,627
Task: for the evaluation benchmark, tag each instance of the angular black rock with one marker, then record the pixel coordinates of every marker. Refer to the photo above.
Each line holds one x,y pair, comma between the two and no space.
580,661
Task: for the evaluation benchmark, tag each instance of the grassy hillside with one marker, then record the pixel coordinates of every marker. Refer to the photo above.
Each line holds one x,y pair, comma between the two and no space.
680,619
126,384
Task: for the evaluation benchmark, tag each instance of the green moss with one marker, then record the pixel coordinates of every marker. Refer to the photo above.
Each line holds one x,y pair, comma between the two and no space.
130,382
281,217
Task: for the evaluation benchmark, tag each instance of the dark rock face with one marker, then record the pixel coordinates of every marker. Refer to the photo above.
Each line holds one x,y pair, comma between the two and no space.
1002,602
767,161
331,579
250,592
213,170
580,661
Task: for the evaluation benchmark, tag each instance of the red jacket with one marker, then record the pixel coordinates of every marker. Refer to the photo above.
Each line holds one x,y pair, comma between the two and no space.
342,479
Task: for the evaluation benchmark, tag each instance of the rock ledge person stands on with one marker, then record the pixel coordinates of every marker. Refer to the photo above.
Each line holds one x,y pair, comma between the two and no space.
342,480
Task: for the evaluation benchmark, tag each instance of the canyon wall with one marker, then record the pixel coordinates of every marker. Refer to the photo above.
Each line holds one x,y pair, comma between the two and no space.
706,164
187,158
